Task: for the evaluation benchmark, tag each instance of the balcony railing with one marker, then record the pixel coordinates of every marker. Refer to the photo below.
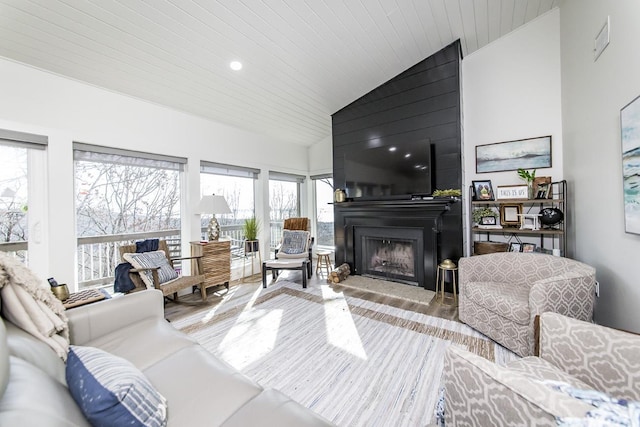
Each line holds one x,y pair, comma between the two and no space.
98,256
17,249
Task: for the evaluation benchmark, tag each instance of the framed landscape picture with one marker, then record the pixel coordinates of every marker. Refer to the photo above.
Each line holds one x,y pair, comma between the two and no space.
532,153
630,131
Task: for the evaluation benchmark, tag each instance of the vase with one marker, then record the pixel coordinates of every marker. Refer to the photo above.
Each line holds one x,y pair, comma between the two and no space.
530,190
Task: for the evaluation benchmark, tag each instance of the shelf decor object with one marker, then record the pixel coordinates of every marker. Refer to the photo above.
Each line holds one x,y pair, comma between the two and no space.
542,187
510,215
482,190
532,153
630,131
213,205
512,192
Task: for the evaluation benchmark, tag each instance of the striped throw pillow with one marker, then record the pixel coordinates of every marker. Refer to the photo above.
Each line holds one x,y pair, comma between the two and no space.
110,391
152,259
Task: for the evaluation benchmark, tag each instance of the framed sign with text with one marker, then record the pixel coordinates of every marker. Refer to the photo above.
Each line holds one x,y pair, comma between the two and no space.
507,192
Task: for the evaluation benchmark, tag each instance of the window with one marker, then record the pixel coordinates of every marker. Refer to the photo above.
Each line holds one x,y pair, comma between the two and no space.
284,202
323,185
122,196
17,151
237,185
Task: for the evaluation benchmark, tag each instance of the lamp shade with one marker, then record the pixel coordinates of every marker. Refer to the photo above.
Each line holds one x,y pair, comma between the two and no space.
213,205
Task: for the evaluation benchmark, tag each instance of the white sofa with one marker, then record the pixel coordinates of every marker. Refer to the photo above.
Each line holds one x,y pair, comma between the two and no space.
200,389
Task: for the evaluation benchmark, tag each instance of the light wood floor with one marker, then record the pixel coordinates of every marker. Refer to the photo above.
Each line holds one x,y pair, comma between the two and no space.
189,304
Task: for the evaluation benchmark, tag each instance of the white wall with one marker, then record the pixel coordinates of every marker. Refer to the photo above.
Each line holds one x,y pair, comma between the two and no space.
511,90
592,95
66,110
321,157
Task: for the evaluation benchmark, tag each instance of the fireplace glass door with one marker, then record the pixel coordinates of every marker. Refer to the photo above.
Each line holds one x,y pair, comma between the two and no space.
390,253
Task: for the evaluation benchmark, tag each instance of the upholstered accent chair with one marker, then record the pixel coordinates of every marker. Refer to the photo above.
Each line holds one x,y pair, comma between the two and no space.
295,224
501,294
156,270
580,354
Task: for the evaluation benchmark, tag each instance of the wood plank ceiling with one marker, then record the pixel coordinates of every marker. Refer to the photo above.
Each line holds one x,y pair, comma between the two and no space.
303,59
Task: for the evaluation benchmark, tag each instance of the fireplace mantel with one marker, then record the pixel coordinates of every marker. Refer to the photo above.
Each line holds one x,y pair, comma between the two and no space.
423,214
436,203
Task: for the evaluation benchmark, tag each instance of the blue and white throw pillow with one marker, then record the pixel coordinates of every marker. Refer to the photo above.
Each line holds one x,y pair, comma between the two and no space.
149,260
607,410
294,242
110,391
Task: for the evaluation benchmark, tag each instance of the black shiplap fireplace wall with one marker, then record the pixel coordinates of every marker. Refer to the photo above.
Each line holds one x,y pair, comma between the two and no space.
421,103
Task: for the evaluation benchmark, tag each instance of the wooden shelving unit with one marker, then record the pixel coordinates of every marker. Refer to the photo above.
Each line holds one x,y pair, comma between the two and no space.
548,238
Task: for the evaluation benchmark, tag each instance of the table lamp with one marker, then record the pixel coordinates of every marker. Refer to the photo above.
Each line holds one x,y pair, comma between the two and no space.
213,205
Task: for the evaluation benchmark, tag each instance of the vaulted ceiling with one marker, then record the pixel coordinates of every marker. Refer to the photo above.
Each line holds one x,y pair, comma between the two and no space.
302,59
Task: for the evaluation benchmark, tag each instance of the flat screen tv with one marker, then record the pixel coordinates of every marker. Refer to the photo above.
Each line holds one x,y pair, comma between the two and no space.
392,171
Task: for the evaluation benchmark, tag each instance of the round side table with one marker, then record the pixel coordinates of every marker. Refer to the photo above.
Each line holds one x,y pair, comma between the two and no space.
443,267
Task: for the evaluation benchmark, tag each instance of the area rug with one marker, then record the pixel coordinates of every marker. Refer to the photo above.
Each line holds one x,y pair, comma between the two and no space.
391,289
355,362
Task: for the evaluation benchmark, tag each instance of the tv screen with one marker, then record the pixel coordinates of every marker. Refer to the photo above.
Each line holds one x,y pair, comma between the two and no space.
393,171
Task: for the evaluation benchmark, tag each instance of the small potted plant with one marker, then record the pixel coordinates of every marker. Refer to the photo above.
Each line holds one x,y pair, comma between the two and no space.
449,192
529,177
478,214
251,229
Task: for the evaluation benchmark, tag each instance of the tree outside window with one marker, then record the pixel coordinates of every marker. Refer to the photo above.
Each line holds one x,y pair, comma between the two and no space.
14,196
116,196
239,194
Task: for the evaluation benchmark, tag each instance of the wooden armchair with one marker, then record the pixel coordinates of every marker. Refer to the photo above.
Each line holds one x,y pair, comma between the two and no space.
154,273
298,224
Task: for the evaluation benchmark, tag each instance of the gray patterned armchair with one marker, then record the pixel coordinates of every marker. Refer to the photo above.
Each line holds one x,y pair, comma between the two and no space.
501,294
583,355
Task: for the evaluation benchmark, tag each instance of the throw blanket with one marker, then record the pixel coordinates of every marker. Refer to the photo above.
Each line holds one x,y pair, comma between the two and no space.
28,303
148,245
123,282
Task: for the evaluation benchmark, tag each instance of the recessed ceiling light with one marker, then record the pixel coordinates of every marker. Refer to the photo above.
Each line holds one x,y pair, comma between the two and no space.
392,148
406,156
236,65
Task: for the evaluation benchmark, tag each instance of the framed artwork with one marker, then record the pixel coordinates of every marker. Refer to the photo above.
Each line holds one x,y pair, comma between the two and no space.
542,187
630,131
515,247
488,220
482,190
506,192
528,247
510,215
532,153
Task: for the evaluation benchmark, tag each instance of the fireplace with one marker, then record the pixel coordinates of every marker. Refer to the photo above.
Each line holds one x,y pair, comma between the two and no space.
390,253
400,240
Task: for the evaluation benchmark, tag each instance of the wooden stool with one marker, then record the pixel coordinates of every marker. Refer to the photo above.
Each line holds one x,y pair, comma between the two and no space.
324,261
443,267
